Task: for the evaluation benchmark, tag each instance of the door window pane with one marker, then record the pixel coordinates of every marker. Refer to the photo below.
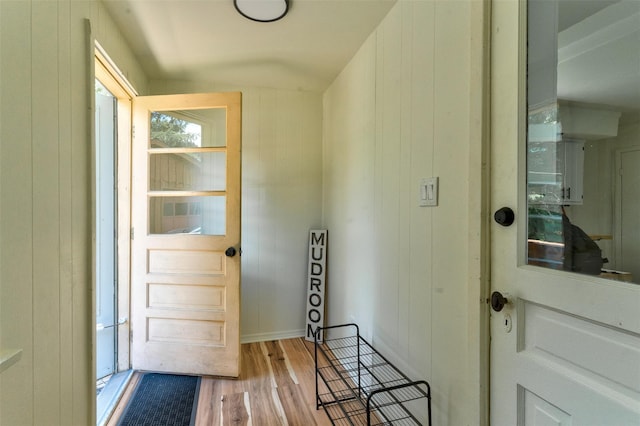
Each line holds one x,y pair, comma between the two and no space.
198,215
583,120
188,129
200,171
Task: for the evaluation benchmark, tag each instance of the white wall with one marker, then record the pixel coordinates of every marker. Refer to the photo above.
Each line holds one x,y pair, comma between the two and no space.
45,204
281,202
403,109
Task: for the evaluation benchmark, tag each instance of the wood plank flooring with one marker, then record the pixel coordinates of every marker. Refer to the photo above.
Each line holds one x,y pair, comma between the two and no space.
276,387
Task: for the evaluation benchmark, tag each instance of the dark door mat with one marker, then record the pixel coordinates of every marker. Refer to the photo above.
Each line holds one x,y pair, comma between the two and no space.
162,400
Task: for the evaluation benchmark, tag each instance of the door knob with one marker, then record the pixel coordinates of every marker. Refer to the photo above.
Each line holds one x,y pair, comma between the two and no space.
498,301
504,216
230,252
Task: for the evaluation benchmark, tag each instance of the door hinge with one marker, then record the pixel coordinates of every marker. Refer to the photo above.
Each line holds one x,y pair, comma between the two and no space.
132,233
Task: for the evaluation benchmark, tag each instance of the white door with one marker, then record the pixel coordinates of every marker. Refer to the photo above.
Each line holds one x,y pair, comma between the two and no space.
186,233
565,349
105,233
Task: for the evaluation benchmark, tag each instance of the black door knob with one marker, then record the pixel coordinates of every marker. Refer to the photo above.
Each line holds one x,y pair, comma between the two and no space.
504,216
230,252
498,301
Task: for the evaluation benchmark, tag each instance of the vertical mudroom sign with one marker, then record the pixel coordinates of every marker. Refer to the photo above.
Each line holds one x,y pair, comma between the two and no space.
316,279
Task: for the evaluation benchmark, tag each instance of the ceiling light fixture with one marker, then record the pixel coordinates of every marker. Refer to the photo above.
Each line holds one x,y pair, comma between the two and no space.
262,10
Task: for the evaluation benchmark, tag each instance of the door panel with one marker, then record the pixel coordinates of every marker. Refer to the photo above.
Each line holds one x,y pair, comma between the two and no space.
186,210
537,411
564,340
186,262
566,347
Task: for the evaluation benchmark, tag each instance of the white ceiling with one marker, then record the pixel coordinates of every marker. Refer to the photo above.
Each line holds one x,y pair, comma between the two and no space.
599,56
570,12
208,40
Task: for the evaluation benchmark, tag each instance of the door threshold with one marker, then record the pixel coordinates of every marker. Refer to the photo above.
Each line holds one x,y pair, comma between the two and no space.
110,395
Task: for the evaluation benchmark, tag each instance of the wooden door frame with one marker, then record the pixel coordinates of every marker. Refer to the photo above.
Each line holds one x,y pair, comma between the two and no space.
496,134
491,99
617,212
480,200
109,75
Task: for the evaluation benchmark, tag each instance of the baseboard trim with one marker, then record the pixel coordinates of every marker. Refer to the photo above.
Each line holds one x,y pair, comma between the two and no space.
263,337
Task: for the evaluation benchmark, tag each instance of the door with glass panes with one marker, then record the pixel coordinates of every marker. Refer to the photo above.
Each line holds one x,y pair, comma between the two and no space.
565,323
186,233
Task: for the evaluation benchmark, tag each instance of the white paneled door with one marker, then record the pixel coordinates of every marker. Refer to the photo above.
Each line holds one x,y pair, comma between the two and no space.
186,234
565,349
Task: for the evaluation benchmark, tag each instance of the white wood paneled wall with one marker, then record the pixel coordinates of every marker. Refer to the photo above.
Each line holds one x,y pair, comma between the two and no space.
45,199
281,202
405,108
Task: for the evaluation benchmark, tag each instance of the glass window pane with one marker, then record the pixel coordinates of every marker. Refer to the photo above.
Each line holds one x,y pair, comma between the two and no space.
188,129
172,130
583,115
187,215
199,171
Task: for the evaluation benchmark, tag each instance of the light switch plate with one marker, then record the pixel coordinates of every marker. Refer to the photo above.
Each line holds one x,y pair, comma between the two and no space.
428,192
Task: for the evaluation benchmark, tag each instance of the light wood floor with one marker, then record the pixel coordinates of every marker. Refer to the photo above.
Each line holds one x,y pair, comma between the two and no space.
276,387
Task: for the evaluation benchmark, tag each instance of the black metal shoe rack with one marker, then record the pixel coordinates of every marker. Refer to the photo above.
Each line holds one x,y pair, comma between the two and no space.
355,385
